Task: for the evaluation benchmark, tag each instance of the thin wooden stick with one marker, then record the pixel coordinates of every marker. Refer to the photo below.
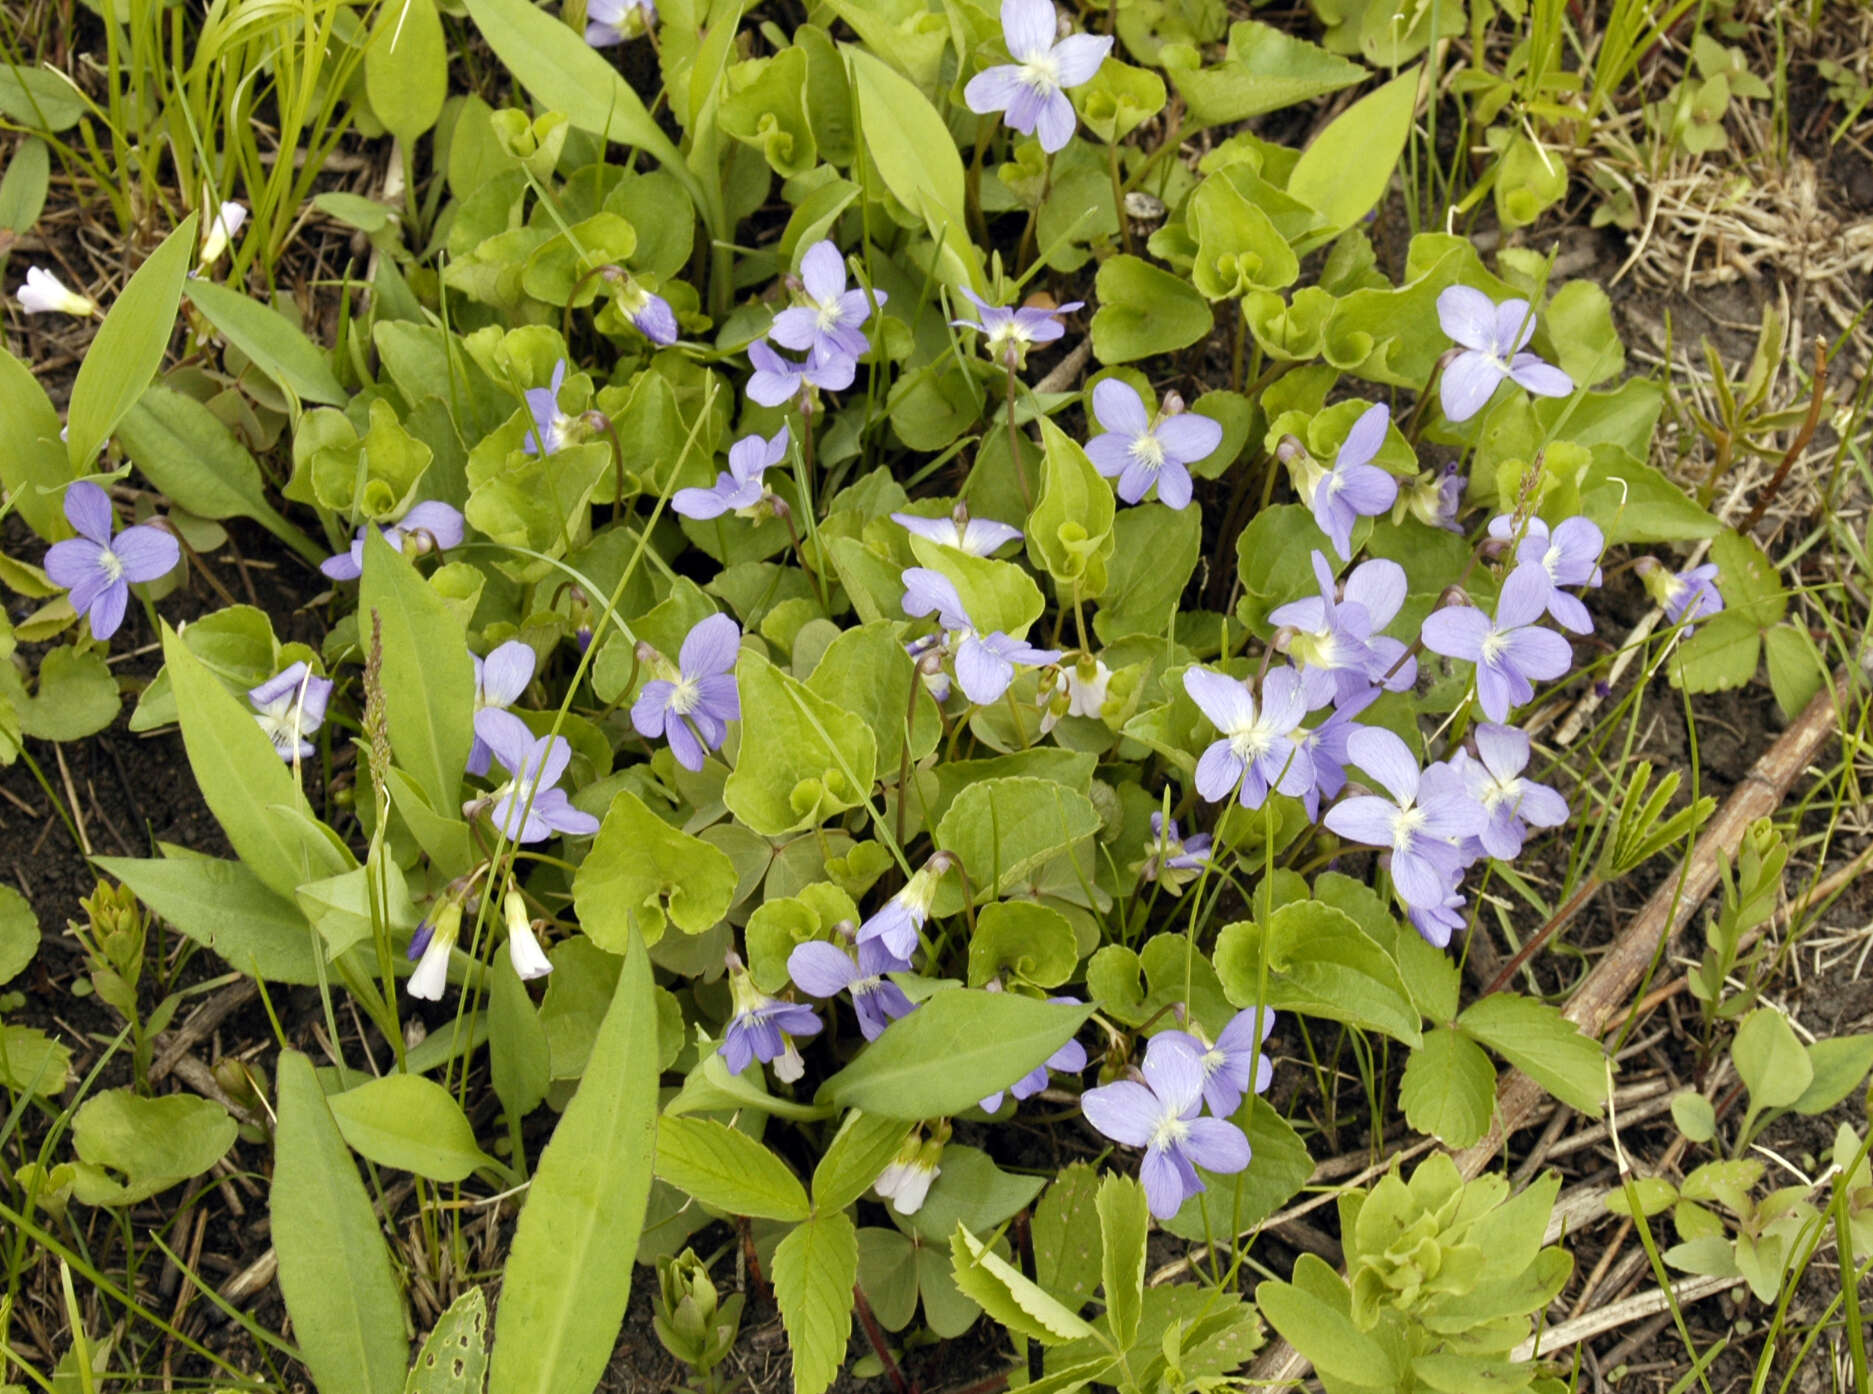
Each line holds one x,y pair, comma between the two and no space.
1611,1317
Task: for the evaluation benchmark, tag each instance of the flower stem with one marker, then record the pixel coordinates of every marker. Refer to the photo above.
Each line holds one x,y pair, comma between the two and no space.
1014,446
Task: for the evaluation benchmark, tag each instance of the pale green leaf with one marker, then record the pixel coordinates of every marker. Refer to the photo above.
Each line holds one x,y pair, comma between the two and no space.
727,1170
1542,1044
815,1268
412,1124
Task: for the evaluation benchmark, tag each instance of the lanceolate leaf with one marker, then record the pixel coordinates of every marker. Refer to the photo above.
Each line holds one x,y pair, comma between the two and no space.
568,1276
335,1271
277,348
454,1360
1541,1043
128,348
727,1170
814,1270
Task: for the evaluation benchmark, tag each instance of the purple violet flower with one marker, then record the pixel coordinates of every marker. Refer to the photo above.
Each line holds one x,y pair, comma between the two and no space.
820,969
763,1027
979,537
1140,451
740,491
1233,1065
1569,555
1029,89
826,328
1686,595
692,709
552,428
1159,1114
1433,498
290,706
430,526
1437,923
1325,745
609,22
650,314
1008,333
1513,804
1070,1059
985,663
500,678
1256,751
529,806
897,922
99,569
1354,488
1492,337
1173,858
1509,652
778,380
1420,824
1334,641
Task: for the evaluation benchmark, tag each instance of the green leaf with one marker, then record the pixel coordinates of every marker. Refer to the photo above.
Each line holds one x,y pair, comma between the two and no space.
412,1124
153,1143
1325,1333
182,448
224,906
916,157
454,1360
1263,70
1319,963
1067,1241
19,933
1721,656
1033,941
568,1276
862,1148
815,1268
41,99
128,348
406,68
1238,248
969,1189
34,466
32,1062
563,73
1070,529
958,1047
335,1271
1748,580
1542,1044
23,186
1449,1088
1281,1167
1144,311
1003,829
727,1170
247,787
1343,173
77,696
1124,1226
1695,1116
1008,1296
276,347
1770,1060
1796,669
1155,549
1839,1063
640,869
802,760
866,671
519,1056
429,679
1632,502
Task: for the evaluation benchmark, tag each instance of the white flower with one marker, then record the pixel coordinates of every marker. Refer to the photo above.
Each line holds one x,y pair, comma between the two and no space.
45,294
221,230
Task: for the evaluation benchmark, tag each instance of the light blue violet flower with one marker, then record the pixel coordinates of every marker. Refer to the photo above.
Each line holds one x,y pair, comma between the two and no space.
609,22
778,379
1354,487
1568,555
1513,804
500,678
979,537
1008,333
1233,1065
1331,635
692,708
529,806
1173,860
820,969
650,314
1510,652
1491,338
1139,450
552,428
1029,90
898,921
826,328
739,491
764,1028
985,663
1420,825
431,526
1159,1114
1256,751
290,706
99,569
1685,595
